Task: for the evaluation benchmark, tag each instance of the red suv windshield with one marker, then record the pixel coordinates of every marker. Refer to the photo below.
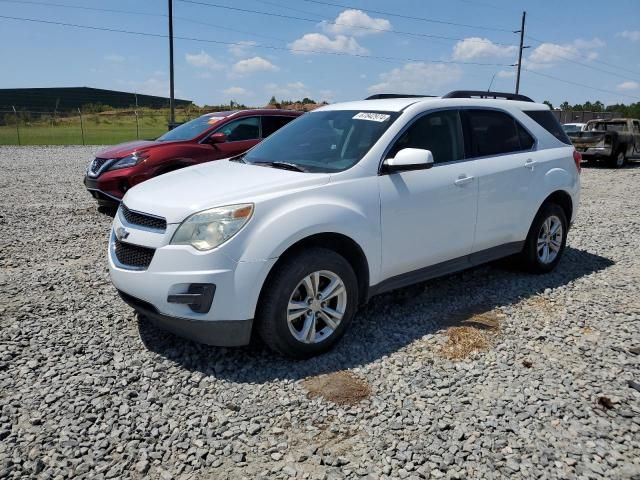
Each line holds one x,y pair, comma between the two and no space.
193,128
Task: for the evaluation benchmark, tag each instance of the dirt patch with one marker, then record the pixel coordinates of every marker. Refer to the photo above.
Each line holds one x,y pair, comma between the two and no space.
463,341
342,388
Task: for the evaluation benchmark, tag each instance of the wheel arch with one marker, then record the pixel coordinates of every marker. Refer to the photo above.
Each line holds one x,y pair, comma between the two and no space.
561,198
339,243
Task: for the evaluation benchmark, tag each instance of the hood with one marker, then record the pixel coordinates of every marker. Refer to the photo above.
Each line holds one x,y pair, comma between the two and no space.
124,149
176,195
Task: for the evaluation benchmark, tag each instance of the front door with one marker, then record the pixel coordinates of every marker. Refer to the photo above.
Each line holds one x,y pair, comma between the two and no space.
428,216
242,134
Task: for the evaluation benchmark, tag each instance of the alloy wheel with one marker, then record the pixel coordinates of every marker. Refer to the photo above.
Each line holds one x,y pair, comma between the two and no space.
549,240
316,307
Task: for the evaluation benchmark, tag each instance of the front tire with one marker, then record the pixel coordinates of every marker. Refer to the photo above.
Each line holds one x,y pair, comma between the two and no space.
546,240
308,303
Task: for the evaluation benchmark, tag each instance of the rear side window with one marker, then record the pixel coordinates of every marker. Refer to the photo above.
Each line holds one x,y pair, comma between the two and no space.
272,124
495,133
546,120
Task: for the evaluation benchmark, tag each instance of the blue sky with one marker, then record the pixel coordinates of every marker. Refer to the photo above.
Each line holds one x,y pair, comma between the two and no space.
593,43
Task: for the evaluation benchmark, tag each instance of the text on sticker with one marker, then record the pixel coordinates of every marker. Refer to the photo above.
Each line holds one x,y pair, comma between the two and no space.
374,117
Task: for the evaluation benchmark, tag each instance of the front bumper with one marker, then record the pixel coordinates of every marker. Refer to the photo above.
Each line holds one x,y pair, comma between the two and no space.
220,333
172,272
98,191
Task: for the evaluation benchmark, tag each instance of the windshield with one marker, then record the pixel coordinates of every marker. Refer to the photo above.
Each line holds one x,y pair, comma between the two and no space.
609,126
192,128
325,141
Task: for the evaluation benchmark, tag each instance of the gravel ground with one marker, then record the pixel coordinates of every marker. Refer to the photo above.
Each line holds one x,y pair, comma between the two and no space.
87,389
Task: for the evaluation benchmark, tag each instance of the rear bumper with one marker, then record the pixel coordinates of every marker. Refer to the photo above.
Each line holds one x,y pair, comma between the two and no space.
221,333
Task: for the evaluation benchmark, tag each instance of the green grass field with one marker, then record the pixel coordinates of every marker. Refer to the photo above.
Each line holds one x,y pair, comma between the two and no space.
99,129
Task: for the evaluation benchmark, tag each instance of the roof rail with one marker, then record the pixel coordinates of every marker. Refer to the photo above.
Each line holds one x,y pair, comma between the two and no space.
379,96
487,94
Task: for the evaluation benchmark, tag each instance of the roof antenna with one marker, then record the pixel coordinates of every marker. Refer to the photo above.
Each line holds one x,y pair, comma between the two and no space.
491,83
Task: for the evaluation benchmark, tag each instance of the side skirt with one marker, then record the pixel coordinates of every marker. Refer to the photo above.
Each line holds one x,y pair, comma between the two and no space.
446,268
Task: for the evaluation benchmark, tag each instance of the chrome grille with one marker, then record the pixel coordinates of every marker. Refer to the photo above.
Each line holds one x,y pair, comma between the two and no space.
142,219
98,165
134,256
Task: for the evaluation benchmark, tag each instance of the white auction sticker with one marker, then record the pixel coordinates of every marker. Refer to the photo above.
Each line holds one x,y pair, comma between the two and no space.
374,117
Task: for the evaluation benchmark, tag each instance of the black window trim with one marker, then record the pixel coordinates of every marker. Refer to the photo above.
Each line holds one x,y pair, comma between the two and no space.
466,135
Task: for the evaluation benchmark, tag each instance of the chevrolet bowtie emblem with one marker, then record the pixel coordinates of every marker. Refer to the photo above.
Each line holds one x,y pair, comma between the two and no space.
121,233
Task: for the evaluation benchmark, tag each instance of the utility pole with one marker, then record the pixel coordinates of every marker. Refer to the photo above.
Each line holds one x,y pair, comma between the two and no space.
524,16
172,113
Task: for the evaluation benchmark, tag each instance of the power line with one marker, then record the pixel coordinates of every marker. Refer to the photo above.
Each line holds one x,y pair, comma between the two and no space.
131,12
409,17
314,20
580,84
585,57
270,47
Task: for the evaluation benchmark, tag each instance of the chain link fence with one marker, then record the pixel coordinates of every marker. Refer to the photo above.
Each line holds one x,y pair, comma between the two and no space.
27,127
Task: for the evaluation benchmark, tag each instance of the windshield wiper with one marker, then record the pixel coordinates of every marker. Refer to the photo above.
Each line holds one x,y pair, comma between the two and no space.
283,166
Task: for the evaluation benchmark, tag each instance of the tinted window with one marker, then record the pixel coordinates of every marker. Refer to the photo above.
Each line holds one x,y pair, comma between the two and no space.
636,127
526,140
271,124
546,120
325,140
193,128
439,132
494,133
241,129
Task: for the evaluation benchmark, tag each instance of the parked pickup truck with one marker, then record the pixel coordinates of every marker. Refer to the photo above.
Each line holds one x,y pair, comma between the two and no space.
614,141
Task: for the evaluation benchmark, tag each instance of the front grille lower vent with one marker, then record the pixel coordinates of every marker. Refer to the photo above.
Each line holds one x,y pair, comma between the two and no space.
142,219
134,256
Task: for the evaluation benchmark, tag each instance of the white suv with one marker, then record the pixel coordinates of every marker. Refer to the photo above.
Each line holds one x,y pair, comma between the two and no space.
345,202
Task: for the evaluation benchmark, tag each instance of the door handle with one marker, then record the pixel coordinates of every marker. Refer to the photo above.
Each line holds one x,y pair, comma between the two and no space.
530,163
463,180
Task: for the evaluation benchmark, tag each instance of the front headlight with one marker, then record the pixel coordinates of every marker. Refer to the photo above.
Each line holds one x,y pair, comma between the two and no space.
129,161
210,228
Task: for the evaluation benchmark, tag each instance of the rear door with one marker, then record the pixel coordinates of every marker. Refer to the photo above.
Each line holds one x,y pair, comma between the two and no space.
273,123
507,169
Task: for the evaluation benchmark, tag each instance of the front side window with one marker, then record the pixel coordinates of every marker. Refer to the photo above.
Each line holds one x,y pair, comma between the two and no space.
272,124
193,128
241,129
439,132
324,141
496,133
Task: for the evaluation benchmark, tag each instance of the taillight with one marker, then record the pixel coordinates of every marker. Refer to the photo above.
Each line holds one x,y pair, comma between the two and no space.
577,157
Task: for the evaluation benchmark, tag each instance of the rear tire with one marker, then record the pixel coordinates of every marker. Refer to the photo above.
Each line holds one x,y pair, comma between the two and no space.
618,160
308,303
546,240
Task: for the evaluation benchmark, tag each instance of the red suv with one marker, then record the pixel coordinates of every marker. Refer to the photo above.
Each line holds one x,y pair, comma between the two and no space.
210,137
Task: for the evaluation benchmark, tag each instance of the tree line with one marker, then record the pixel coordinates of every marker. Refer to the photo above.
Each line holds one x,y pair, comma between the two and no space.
632,110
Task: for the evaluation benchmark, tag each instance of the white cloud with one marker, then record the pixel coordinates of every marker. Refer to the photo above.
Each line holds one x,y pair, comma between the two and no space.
154,85
476,47
114,58
417,78
627,86
242,48
290,91
252,65
235,91
356,23
203,60
633,35
547,55
319,42
506,74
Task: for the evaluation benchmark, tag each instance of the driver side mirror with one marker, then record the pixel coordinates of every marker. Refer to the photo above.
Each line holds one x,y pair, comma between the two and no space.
409,159
217,137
